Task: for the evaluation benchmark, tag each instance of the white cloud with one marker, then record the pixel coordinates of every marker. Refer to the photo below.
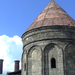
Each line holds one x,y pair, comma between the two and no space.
10,50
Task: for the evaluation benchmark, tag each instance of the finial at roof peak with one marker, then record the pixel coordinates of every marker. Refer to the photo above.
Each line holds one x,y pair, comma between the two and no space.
52,0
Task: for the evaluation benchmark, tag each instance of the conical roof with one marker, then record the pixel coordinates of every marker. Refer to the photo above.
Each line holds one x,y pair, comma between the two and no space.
52,15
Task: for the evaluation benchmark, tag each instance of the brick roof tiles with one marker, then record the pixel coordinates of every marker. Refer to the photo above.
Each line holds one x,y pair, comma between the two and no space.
52,15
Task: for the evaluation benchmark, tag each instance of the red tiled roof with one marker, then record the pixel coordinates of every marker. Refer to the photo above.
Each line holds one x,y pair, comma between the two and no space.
52,15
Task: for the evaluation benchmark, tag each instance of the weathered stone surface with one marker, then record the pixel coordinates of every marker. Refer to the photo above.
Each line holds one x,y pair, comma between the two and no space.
42,48
50,36
53,32
69,59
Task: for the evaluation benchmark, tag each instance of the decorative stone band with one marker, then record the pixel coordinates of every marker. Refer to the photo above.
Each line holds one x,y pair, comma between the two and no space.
46,33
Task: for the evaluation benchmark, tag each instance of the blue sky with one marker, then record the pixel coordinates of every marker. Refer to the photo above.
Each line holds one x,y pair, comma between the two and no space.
15,17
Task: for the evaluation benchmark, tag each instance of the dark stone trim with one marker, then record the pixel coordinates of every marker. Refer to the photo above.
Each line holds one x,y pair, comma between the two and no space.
49,27
55,39
16,72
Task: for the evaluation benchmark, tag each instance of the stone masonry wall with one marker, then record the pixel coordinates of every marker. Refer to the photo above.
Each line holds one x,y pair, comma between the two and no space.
37,62
41,46
69,59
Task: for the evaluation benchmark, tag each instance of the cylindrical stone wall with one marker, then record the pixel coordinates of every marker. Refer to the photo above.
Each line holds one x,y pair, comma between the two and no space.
17,65
60,37
1,66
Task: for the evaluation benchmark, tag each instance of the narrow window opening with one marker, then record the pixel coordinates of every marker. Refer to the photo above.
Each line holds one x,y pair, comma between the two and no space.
53,63
25,67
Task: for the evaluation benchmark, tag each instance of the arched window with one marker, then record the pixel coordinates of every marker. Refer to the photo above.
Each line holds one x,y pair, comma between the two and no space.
53,63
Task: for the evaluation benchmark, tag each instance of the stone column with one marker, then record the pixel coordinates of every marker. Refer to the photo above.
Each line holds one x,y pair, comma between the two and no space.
17,65
1,66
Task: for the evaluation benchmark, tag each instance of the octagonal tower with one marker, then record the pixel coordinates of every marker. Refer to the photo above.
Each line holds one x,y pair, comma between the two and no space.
49,43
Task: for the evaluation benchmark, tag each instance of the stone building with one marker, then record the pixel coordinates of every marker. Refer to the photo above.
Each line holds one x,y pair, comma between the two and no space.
49,43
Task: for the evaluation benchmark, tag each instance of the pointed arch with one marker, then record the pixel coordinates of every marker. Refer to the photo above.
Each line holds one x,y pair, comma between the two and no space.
69,59
53,57
35,60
